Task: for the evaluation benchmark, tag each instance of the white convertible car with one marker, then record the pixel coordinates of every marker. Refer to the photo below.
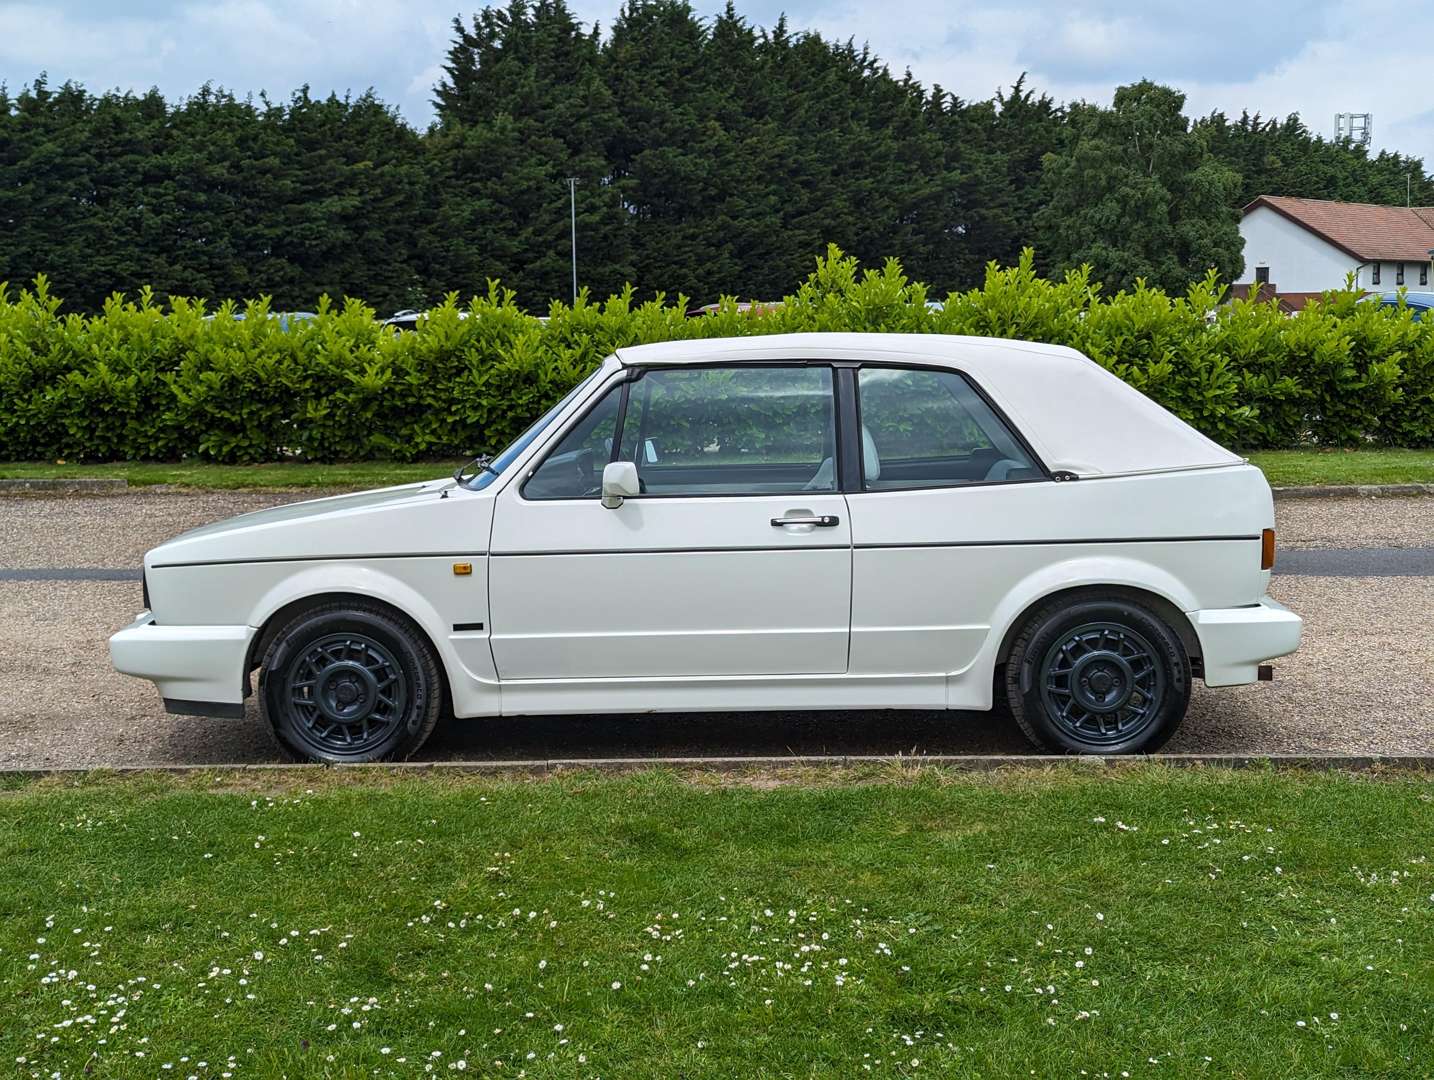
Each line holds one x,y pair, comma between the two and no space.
809,521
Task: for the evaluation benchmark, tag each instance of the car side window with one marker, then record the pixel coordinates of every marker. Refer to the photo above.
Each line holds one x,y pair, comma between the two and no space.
732,431
924,428
573,469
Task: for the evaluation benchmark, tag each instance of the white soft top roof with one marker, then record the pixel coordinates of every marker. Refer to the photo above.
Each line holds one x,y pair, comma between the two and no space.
1076,415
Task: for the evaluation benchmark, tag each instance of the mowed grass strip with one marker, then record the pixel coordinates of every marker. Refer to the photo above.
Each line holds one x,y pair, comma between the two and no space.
1283,468
1295,468
1146,921
362,474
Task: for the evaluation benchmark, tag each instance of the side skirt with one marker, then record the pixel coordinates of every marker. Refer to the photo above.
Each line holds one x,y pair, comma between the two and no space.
533,697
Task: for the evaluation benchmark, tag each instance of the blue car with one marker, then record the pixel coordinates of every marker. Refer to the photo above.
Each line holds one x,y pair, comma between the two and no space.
1418,302
286,318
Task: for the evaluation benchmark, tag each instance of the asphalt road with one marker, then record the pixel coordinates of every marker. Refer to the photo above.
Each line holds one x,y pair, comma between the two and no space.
1360,571
1302,562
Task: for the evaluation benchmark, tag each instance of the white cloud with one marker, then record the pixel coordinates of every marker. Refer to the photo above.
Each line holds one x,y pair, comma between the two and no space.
1288,56
244,45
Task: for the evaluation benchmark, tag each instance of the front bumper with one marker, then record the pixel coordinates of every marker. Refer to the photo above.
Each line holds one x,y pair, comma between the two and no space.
197,669
1235,641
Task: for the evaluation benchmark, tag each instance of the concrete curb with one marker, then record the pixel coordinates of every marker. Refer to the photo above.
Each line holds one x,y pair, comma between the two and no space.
1352,491
78,485
955,762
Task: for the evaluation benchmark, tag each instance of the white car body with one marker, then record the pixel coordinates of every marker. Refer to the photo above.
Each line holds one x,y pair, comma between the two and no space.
907,600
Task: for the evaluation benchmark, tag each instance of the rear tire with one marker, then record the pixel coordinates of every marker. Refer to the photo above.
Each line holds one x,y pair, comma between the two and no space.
350,683
1098,676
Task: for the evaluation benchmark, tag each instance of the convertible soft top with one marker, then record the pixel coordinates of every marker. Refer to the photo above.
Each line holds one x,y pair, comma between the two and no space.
1079,417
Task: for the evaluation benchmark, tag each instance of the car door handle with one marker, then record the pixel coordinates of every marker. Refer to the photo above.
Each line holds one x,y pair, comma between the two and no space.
821,521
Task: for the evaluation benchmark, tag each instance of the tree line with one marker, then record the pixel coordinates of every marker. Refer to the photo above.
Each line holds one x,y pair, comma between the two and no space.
712,157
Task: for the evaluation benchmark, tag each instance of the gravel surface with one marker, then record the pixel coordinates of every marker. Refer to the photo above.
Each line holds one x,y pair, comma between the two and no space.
116,530
1361,683
1406,521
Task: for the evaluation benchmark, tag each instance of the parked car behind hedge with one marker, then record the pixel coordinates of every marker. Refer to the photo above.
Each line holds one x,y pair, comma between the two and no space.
287,320
1419,304
407,319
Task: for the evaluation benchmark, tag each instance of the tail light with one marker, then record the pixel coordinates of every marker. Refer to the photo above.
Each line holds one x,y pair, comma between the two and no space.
1267,549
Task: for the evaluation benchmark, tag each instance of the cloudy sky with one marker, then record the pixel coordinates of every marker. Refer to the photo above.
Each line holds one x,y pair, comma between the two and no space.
1314,57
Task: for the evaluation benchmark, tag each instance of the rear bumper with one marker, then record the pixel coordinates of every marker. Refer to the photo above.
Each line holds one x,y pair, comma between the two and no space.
198,669
1235,641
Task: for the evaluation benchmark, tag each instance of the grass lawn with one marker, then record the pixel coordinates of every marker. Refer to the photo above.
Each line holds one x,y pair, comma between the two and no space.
1283,467
1288,468
363,474
1144,921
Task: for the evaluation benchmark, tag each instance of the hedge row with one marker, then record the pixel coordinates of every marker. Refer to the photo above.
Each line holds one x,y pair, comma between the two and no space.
141,382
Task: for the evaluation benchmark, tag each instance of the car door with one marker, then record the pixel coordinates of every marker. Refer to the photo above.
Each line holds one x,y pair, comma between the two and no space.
735,559
942,474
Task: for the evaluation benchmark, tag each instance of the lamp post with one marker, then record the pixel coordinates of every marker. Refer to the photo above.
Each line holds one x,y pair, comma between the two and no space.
573,212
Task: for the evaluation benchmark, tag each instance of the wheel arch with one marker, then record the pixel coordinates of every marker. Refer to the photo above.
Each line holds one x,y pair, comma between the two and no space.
281,616
1162,606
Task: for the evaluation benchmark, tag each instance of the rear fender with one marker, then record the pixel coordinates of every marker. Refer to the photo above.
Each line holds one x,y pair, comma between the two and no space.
972,687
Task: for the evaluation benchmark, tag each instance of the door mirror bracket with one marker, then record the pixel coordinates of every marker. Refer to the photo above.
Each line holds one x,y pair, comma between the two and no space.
619,481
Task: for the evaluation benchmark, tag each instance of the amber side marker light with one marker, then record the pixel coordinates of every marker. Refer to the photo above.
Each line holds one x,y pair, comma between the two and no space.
462,569
1267,549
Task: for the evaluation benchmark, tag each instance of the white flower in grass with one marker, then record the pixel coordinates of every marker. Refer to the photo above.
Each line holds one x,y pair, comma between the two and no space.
616,985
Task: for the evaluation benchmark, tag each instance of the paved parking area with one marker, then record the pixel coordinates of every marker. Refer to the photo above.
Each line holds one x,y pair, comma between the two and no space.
1363,682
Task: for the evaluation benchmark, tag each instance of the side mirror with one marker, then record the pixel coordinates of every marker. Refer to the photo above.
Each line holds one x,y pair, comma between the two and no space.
619,481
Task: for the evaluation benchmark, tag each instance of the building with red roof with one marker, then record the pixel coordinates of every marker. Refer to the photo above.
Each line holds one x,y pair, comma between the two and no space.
1298,248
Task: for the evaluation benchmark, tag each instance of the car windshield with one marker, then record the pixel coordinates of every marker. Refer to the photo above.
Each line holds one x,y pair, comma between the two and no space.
500,463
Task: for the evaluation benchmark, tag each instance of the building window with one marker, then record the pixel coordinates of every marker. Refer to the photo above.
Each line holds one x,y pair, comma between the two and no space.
1262,275
1374,275
1424,273
1399,274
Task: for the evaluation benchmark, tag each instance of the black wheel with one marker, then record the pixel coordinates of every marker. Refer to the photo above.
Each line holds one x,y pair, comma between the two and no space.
350,683
1098,677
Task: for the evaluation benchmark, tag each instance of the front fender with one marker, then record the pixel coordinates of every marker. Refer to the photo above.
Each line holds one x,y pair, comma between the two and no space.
466,658
319,579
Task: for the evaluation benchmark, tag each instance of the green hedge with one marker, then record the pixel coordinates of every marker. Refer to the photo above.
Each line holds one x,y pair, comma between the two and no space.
141,382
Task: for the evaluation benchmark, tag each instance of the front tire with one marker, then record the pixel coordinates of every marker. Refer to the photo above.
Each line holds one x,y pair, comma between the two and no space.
1098,676
350,683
